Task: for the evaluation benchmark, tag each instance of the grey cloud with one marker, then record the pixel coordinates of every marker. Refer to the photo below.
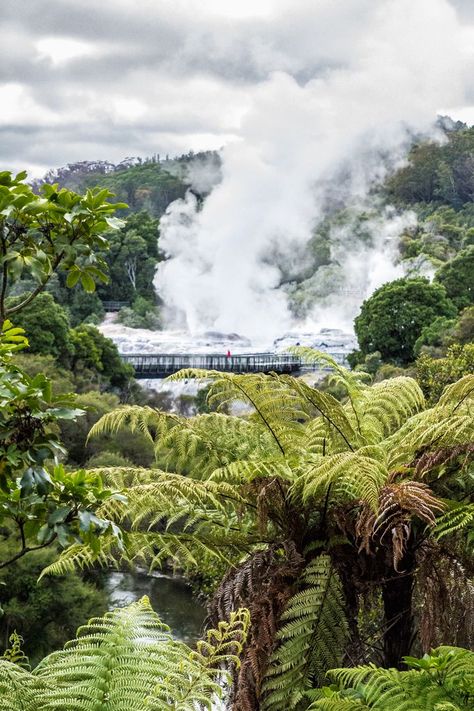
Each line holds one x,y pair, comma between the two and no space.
152,52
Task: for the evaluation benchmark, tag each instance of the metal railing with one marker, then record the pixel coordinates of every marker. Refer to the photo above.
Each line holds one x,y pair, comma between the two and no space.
163,364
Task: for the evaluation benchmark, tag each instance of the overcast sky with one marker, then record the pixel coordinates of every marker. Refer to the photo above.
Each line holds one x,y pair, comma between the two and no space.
89,79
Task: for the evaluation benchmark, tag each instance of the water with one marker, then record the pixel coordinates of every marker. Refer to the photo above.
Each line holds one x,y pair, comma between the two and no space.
170,596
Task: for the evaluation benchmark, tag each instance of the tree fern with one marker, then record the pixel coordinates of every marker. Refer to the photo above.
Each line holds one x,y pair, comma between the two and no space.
311,637
298,472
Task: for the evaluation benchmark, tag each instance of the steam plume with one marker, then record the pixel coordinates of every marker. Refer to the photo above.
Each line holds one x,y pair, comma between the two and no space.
302,144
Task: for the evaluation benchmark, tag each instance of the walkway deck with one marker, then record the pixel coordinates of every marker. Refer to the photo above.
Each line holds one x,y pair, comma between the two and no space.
163,364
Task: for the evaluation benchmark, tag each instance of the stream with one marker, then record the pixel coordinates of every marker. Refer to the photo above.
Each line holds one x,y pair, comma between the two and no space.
170,596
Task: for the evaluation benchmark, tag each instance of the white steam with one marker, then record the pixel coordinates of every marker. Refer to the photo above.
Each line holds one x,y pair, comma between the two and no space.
303,145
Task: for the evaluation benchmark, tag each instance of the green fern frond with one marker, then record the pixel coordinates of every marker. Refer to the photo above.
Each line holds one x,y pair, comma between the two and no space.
337,423
441,681
352,380
459,518
19,689
311,637
352,475
201,678
127,661
384,407
457,394
278,408
81,557
241,472
329,700
14,653
428,431
202,443
145,420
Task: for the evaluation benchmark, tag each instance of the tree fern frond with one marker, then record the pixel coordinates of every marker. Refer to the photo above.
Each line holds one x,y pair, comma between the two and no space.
429,430
353,380
311,637
200,444
336,702
80,556
240,472
127,661
390,524
337,422
277,407
353,475
385,406
137,418
14,653
202,677
457,394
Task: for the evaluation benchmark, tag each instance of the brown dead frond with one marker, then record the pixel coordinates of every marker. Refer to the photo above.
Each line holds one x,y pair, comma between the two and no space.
446,455
391,525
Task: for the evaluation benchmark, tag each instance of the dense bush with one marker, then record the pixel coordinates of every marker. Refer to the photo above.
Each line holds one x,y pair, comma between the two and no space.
434,374
95,353
47,326
457,277
46,613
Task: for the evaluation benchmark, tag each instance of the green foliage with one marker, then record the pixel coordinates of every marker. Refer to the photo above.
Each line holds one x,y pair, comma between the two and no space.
47,326
127,661
435,335
392,319
362,482
43,503
98,354
62,380
311,639
45,613
442,333
132,259
147,186
61,231
457,278
440,681
131,447
108,459
437,172
142,314
434,374
82,307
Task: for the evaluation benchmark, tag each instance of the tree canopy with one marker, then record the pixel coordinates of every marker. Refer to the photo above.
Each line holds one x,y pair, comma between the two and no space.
392,319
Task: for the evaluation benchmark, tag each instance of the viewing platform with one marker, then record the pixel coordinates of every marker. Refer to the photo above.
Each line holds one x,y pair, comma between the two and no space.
163,364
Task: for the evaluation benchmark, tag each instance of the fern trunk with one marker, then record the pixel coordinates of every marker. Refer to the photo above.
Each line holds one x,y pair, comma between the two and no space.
397,596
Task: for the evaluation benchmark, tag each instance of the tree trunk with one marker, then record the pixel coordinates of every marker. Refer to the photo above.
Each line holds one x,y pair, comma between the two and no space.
397,595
